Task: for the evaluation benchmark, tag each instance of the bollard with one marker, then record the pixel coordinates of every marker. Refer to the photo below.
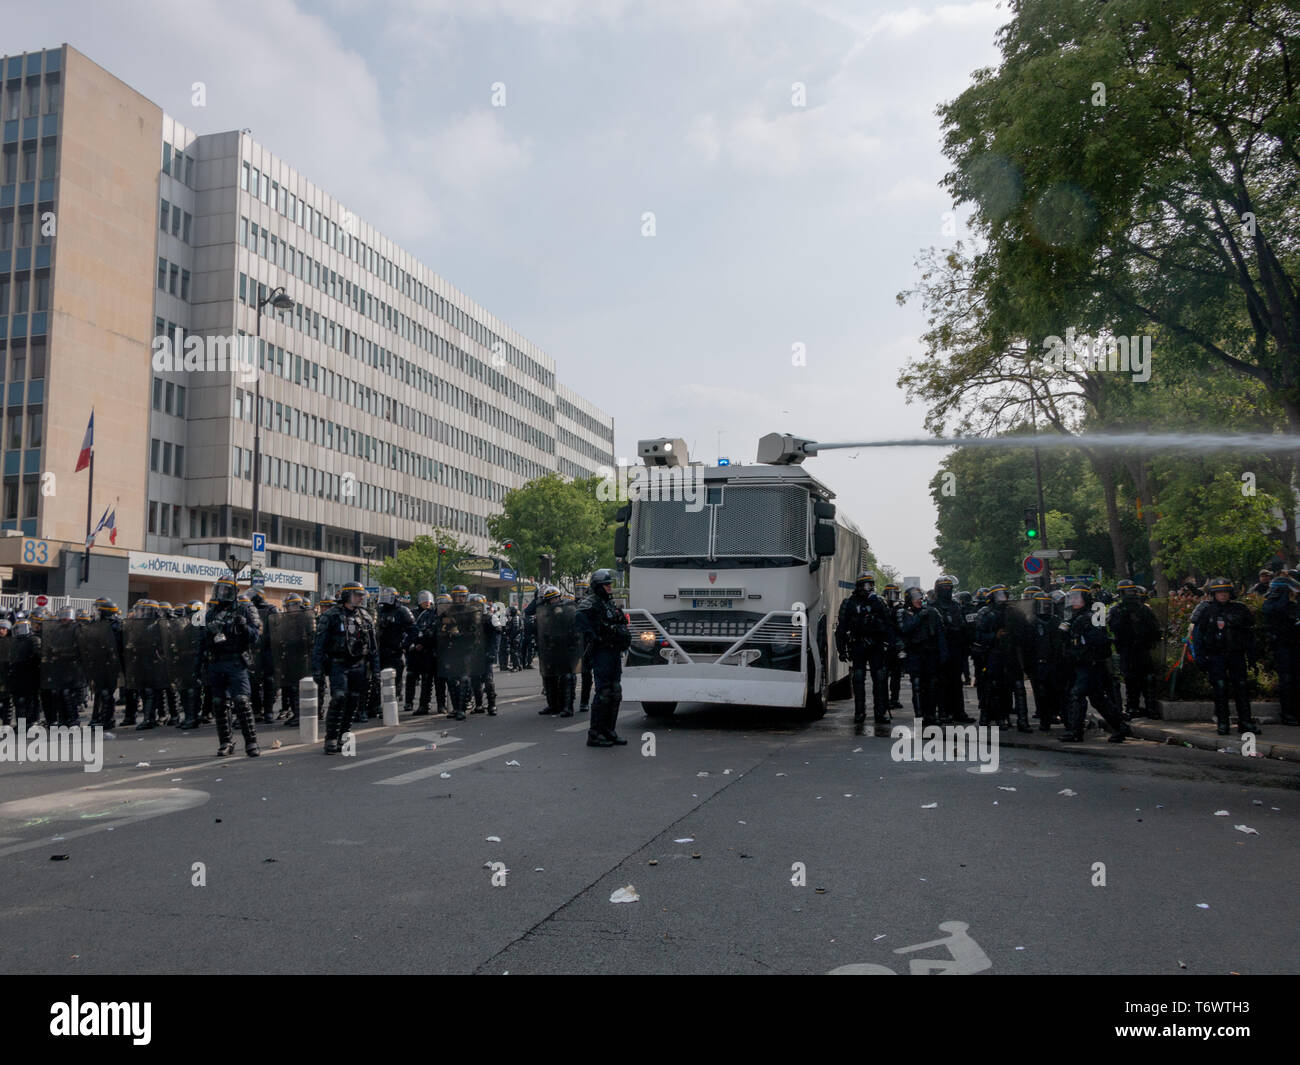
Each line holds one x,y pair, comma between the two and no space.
388,695
307,710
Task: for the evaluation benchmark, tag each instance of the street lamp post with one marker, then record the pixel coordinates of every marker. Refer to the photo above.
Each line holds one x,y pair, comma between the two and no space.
369,551
281,301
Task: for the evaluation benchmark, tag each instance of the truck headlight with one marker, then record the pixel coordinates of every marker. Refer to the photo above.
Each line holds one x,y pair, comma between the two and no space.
647,638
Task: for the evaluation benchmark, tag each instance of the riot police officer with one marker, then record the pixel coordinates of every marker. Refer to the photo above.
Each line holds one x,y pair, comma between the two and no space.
345,648
557,681
864,636
1282,623
997,636
529,642
440,603
1089,652
921,628
1042,655
394,626
481,679
893,597
948,686
262,672
25,669
104,707
421,653
1136,631
231,633
291,635
605,627
512,636
1224,643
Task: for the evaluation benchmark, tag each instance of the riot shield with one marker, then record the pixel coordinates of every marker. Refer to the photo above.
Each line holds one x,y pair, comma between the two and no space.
291,637
559,644
7,656
98,647
61,657
461,642
145,653
182,643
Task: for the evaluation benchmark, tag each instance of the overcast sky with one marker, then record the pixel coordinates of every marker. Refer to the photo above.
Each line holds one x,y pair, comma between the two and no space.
775,224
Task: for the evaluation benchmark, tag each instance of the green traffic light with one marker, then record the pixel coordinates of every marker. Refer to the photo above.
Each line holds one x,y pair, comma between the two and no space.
1031,533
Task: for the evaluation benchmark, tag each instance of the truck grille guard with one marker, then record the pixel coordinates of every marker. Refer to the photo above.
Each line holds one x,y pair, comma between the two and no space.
773,628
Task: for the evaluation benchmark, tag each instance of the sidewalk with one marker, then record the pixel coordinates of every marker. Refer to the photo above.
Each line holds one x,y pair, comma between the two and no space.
1280,742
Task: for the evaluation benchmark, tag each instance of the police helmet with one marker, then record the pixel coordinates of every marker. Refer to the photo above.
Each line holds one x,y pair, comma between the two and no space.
294,603
1030,590
387,596
353,593
891,593
913,594
945,586
459,594
1127,588
981,596
1283,583
550,594
1080,597
442,600
22,626
85,615
477,597
68,613
602,576
997,593
165,608
566,597
106,607
226,590
425,598
580,584
6,625
1220,584
865,579
1043,604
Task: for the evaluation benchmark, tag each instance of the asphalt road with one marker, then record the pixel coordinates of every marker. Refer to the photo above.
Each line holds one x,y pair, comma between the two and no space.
381,863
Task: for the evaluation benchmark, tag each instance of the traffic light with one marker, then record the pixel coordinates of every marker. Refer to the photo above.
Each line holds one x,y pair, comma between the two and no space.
507,545
1031,523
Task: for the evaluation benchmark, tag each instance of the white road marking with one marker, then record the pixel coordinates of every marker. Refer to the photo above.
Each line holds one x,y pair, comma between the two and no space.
352,763
581,726
457,763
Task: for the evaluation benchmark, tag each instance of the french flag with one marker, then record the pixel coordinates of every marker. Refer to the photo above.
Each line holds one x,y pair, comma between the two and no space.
109,522
87,445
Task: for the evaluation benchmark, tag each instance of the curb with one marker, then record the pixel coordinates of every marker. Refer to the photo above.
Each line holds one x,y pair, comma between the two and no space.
1286,752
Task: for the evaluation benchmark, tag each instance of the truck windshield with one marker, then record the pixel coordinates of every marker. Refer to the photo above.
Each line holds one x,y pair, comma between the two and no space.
752,525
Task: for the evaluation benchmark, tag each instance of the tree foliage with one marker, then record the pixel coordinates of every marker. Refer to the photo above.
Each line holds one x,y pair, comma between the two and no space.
416,568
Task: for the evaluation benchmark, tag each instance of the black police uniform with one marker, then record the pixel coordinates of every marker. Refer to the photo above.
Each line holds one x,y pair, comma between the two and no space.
345,650
231,635
864,635
1282,623
1224,643
922,632
605,627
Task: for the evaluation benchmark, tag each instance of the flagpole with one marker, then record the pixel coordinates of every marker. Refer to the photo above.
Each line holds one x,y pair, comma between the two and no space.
90,493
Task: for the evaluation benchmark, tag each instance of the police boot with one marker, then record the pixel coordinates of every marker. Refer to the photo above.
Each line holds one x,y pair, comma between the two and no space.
491,690
566,695
131,700
1221,717
477,685
148,698
550,690
1246,723
1022,711
289,700
334,725
1073,721
248,726
190,705
221,712
1121,733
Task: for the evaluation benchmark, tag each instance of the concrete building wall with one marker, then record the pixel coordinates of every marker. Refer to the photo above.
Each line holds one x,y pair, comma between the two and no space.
102,314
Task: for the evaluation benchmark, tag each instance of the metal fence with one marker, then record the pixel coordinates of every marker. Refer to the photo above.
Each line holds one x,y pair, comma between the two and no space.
26,601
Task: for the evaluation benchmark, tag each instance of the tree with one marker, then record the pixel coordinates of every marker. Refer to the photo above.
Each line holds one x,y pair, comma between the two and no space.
558,517
1137,161
416,568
